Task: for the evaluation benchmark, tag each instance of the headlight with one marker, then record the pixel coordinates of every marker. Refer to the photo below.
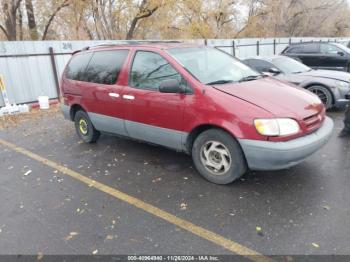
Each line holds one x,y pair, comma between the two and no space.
276,126
341,84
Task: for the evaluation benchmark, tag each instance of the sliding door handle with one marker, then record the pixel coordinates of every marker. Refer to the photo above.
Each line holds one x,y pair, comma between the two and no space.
113,95
128,97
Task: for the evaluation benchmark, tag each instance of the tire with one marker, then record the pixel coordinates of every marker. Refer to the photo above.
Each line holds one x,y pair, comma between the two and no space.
218,157
323,93
85,128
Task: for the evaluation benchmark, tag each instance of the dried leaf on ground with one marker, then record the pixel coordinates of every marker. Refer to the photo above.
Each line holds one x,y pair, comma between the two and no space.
27,173
259,230
109,237
315,245
71,235
9,121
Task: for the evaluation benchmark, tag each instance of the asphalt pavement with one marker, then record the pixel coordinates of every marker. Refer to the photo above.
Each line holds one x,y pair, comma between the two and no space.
298,211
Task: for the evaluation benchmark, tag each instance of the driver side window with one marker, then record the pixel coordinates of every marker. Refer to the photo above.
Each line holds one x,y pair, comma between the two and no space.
149,69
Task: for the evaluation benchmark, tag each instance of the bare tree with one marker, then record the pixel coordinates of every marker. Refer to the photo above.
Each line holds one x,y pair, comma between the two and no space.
10,8
33,30
65,3
144,10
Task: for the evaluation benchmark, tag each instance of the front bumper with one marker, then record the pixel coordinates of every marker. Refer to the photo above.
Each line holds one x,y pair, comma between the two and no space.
265,155
343,102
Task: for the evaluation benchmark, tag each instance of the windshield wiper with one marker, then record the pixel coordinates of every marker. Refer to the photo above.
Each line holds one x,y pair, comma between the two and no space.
250,78
220,82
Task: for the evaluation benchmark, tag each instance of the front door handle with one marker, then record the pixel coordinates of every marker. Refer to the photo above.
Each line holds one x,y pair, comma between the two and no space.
128,97
113,95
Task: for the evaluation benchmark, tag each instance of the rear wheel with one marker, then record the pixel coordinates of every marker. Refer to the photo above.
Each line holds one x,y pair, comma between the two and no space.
218,157
84,127
323,93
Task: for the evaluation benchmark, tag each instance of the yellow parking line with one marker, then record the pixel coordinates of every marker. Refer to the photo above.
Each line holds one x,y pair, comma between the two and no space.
182,223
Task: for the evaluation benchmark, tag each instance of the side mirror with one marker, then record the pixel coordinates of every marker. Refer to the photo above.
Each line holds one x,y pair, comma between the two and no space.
170,86
274,71
341,53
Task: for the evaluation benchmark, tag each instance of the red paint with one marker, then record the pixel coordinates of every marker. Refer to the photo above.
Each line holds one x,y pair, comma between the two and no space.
232,107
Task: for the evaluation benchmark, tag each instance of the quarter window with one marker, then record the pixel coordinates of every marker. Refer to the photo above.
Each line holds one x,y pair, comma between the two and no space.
150,69
77,66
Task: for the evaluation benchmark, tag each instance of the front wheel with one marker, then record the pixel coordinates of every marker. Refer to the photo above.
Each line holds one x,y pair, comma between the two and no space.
218,157
85,130
323,93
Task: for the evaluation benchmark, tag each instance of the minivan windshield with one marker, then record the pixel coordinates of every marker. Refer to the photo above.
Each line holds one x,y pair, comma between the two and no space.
211,66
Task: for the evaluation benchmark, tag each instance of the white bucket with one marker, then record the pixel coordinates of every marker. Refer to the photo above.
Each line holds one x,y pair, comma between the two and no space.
43,102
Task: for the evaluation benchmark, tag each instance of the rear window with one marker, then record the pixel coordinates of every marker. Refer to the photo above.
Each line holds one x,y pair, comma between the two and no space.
100,67
77,66
105,66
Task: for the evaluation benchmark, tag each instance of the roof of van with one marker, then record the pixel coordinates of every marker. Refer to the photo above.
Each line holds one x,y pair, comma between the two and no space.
146,44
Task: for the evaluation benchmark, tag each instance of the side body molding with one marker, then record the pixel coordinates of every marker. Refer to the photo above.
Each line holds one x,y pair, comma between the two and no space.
156,135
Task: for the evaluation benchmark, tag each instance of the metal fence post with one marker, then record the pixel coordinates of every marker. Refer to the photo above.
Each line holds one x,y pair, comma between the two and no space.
274,46
257,48
54,71
233,48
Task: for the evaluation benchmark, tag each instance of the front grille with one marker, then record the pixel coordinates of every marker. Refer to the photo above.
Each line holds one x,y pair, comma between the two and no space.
313,122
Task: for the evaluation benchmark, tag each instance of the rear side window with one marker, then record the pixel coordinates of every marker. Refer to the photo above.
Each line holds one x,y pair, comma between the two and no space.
294,50
105,66
77,66
303,49
150,69
311,48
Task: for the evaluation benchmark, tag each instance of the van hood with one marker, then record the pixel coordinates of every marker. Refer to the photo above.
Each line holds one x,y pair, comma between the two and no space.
335,75
279,98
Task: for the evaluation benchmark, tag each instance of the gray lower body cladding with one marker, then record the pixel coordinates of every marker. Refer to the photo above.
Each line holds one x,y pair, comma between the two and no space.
170,138
260,155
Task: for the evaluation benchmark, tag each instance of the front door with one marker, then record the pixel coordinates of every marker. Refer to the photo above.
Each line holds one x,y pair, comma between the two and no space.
332,57
151,115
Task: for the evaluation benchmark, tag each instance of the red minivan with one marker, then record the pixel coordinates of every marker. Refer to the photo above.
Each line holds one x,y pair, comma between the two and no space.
194,99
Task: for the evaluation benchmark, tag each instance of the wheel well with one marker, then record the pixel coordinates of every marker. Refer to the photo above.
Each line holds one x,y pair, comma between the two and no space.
74,109
196,132
317,84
